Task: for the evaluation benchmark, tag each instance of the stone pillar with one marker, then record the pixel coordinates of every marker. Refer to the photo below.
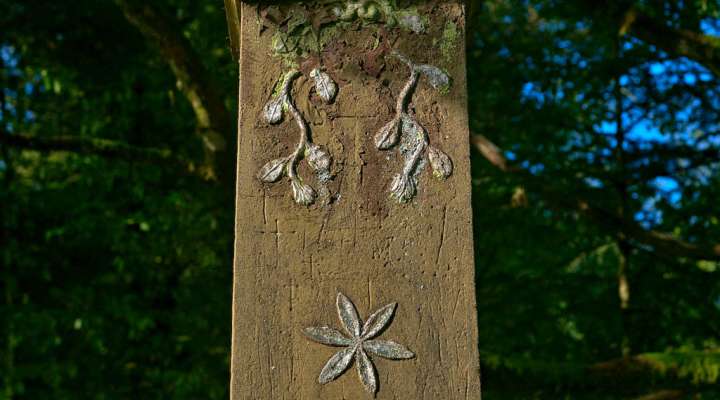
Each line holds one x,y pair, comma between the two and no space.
354,272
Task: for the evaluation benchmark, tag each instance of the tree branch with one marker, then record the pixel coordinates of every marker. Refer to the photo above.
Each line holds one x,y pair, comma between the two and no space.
660,242
705,49
673,364
232,15
214,122
678,369
101,147
490,151
664,395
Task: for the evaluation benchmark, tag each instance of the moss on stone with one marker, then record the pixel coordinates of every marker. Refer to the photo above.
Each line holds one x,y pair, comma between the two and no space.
299,39
449,41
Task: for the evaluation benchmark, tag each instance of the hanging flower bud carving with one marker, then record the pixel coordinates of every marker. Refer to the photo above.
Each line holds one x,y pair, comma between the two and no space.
406,133
317,157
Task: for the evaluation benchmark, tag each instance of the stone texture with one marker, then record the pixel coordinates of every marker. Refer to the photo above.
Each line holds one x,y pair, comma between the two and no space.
292,260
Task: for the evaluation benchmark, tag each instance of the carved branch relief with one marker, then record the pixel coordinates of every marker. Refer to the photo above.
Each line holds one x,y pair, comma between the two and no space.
403,129
317,157
303,36
413,137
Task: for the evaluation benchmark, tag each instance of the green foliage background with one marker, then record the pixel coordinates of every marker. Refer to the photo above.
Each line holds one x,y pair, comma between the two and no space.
116,271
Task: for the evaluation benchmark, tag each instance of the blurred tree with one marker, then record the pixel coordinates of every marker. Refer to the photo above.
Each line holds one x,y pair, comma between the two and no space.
607,114
116,248
597,126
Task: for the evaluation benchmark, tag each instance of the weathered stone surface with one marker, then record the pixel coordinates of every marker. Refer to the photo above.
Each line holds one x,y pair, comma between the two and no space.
291,260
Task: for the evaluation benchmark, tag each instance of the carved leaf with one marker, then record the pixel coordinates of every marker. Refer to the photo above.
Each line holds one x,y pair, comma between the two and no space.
388,135
324,85
436,77
441,164
273,110
366,370
336,365
348,315
272,171
317,157
388,349
302,193
327,335
378,321
402,188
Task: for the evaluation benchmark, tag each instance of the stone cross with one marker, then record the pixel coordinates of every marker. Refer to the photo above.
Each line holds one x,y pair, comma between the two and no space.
354,271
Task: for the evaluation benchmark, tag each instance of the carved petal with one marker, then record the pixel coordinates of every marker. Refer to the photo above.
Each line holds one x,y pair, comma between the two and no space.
273,110
327,335
366,370
436,77
336,365
317,157
402,188
348,315
388,135
272,171
303,194
388,349
324,85
441,164
378,321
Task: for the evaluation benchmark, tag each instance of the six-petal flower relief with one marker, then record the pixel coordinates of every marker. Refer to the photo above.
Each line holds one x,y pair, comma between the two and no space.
318,158
412,137
359,341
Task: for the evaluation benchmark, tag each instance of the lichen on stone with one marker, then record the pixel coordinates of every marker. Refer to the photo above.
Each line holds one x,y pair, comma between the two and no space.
449,41
306,28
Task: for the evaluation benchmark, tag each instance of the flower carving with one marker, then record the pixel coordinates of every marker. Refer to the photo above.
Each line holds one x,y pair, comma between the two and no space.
359,341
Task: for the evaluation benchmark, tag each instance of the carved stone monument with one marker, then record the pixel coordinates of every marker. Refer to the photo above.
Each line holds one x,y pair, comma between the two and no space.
354,273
